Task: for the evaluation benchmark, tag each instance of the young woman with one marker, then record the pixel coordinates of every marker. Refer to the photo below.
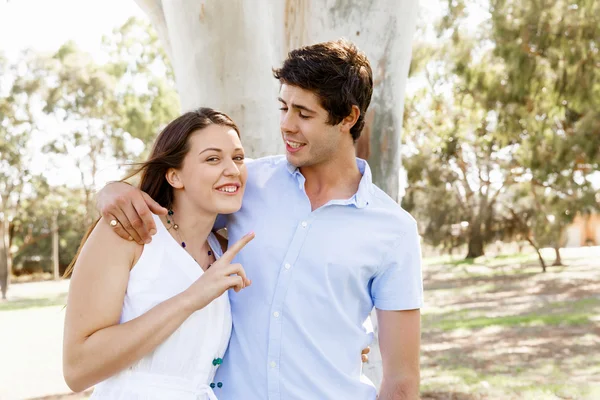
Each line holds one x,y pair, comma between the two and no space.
153,321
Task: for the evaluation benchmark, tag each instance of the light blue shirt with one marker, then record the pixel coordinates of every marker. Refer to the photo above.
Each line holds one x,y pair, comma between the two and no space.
316,275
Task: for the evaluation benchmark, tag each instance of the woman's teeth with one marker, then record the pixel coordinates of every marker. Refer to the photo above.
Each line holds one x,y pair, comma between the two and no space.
228,189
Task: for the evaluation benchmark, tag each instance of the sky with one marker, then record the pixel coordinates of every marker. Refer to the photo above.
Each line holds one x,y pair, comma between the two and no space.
44,25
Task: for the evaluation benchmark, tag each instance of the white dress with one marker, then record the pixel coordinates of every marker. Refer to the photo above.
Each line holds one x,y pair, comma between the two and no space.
182,367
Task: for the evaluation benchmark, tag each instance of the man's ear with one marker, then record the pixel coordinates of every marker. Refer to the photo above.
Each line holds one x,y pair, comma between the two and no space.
172,176
348,122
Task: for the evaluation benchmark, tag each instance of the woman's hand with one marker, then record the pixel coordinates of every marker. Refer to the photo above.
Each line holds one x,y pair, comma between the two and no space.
221,276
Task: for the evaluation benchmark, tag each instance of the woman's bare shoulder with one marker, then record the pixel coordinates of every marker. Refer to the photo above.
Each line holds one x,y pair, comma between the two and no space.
105,243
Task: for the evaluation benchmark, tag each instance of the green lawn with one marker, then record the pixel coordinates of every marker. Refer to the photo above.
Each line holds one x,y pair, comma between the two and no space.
20,304
499,328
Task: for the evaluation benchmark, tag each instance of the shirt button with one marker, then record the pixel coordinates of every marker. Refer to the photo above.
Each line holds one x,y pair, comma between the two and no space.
287,266
273,364
304,224
276,314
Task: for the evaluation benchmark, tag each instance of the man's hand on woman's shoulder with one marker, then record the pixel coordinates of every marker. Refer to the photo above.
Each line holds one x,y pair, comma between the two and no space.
129,211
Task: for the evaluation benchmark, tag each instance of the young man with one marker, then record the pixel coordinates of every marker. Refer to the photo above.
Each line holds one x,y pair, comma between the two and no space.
329,246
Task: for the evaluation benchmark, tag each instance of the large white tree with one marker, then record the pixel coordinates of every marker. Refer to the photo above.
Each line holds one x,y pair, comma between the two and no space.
223,52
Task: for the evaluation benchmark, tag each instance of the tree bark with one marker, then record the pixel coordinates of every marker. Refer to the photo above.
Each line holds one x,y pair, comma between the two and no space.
476,241
539,253
557,261
223,52
55,247
4,258
475,248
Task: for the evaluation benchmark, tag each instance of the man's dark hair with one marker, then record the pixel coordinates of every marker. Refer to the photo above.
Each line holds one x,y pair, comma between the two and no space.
337,72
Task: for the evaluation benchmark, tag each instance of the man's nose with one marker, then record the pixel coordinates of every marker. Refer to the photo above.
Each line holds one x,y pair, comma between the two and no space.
287,123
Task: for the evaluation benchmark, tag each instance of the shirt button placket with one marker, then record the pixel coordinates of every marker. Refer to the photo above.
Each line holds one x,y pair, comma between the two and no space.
275,327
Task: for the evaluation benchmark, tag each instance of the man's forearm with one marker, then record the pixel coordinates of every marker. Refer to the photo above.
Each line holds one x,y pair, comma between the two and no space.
399,389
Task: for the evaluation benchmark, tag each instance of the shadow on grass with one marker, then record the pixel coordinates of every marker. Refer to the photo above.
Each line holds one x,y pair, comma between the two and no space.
517,335
464,261
21,304
498,279
448,396
514,321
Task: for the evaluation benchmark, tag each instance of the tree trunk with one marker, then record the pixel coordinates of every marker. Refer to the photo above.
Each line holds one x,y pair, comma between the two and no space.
539,253
475,248
4,258
223,53
476,242
55,259
557,261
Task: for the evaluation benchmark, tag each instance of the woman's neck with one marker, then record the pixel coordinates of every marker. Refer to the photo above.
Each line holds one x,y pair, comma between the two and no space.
193,225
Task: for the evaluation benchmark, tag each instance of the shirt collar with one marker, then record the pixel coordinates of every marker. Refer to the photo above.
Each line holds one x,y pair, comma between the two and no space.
363,195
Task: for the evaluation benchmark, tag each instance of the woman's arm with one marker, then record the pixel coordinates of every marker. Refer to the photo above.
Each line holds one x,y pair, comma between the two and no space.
95,345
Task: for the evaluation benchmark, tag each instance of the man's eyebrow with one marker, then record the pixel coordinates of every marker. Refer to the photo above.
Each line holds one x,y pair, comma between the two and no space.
297,106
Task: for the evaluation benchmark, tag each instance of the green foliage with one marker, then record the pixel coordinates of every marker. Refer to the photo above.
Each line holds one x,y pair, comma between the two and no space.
130,97
103,109
504,134
32,228
146,96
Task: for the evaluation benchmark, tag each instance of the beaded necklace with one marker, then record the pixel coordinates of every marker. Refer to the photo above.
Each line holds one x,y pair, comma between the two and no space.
173,225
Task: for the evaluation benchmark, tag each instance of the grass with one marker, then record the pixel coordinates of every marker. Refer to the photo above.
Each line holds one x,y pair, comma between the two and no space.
499,328
447,260
481,386
514,321
554,314
21,304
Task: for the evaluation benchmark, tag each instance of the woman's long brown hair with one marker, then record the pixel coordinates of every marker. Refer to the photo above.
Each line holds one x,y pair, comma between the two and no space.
169,150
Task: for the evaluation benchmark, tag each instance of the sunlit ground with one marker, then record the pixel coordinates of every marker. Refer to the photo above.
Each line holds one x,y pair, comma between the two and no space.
493,328
498,328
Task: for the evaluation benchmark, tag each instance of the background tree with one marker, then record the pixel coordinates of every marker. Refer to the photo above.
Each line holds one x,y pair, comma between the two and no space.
110,106
510,101
20,83
108,115
32,235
